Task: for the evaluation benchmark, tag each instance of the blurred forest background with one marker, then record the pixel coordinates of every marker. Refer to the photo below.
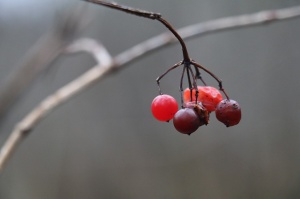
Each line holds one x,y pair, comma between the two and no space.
104,143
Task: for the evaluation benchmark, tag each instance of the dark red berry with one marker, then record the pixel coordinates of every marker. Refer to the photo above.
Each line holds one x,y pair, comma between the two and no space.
164,107
229,112
186,121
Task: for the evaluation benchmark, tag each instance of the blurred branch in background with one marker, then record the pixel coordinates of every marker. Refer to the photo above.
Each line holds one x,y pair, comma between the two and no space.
106,64
46,50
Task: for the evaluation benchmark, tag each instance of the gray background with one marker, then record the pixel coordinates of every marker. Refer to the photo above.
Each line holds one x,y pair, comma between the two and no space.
104,143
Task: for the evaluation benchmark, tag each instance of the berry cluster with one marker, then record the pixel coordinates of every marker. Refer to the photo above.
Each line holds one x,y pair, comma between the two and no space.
197,105
197,102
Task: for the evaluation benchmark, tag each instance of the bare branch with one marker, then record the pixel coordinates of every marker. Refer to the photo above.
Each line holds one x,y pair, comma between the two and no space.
46,50
208,27
134,11
99,52
236,22
98,72
51,102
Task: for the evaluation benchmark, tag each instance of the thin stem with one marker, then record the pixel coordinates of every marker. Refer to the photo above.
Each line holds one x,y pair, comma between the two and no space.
181,86
189,77
213,75
161,76
134,11
190,83
194,83
175,33
207,71
198,75
146,14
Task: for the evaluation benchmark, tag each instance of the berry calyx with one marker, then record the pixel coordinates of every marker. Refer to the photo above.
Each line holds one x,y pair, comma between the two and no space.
200,110
208,95
164,107
229,112
186,121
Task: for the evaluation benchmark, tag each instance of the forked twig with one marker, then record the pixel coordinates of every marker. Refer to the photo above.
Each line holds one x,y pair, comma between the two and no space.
43,53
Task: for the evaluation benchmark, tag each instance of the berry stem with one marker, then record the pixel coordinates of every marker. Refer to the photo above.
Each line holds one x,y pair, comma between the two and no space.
198,76
213,75
161,76
179,38
189,80
181,86
194,83
188,77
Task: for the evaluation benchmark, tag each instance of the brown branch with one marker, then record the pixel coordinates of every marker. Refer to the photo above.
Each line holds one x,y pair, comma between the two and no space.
98,72
149,15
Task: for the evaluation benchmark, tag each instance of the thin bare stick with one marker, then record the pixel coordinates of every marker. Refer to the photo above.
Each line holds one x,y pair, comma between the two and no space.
25,126
91,46
237,22
31,120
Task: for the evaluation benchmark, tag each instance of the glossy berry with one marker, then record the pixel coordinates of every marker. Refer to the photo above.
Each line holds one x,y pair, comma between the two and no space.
186,121
208,95
164,107
229,112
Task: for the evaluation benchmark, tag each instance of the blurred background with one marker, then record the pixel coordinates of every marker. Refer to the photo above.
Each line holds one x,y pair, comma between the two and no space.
104,143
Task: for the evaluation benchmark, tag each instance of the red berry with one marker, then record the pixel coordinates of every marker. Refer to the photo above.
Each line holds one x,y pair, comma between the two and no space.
164,107
186,121
229,112
187,95
208,95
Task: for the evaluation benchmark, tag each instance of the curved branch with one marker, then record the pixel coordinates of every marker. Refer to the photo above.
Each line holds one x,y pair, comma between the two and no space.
208,27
